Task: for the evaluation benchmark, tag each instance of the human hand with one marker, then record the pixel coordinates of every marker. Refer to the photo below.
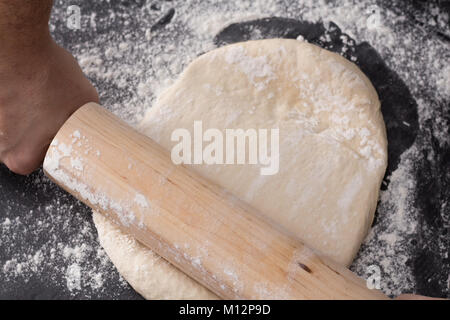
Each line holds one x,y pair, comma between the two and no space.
39,89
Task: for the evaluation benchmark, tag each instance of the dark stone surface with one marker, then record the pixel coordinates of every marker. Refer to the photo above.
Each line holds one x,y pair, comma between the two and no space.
431,265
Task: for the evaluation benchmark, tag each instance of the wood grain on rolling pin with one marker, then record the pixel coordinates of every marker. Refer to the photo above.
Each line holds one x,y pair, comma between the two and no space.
200,228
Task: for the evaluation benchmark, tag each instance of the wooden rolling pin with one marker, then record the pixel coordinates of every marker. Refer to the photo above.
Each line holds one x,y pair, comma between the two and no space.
197,226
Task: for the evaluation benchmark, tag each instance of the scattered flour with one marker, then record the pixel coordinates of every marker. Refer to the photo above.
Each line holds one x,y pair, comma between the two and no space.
131,65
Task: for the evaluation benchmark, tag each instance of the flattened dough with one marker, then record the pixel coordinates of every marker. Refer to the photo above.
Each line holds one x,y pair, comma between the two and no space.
333,149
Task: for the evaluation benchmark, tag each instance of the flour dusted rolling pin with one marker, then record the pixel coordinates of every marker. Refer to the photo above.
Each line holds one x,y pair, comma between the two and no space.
192,223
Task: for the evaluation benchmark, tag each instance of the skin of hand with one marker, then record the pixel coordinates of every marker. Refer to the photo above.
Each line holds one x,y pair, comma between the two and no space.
41,85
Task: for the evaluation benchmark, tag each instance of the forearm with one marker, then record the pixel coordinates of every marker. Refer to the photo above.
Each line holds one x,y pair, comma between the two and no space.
23,27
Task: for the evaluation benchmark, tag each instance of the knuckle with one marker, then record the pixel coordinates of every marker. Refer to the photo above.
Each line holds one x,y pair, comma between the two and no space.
19,162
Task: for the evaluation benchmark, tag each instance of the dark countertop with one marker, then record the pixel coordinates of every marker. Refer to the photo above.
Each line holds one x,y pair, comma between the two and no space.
48,244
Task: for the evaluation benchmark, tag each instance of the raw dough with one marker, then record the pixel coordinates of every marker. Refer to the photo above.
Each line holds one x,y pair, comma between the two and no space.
149,274
332,149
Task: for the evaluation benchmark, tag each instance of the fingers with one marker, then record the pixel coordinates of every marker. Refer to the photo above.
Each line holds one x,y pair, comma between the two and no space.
31,117
23,162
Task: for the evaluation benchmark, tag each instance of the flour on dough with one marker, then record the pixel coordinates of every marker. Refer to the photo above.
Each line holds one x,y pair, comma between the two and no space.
333,149
149,274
